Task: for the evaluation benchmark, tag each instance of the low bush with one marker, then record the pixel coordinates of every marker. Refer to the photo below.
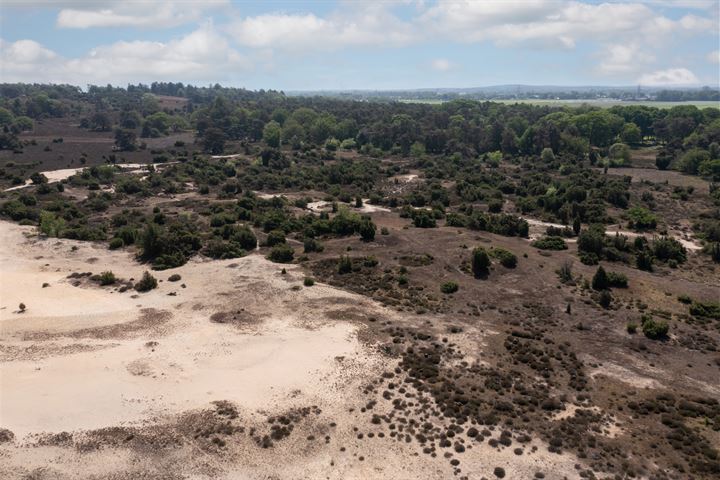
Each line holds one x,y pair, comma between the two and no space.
116,243
107,278
705,309
506,258
174,278
282,253
309,282
550,243
146,283
654,329
449,287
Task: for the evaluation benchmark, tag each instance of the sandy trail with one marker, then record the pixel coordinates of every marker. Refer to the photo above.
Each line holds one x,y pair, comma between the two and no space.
55,176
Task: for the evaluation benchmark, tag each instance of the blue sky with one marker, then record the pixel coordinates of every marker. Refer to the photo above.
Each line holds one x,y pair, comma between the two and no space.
390,44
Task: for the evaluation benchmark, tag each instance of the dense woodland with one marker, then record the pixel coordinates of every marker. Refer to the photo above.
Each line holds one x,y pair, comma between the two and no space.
549,162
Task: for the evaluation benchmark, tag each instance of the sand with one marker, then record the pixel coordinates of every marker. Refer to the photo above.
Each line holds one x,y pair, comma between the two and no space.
82,358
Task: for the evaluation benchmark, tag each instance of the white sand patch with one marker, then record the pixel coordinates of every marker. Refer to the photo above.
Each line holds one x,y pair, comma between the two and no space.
195,360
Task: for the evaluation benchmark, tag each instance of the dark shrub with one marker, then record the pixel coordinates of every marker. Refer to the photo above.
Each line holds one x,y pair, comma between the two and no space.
174,278
449,287
275,237
116,243
480,262
282,253
507,258
146,283
600,280
654,329
550,243
344,264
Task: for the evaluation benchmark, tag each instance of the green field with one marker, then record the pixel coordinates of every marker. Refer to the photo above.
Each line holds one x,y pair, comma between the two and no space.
577,103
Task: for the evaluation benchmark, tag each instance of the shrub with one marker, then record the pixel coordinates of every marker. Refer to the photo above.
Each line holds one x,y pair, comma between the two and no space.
309,282
370,261
402,280
384,231
480,262
367,230
275,237
550,243
565,272
107,278
600,280
116,243
282,253
685,298
654,329
422,219
312,245
605,299
631,327
220,249
174,278
22,307
641,219
644,261
666,248
507,258
705,309
146,283
344,264
617,280
449,287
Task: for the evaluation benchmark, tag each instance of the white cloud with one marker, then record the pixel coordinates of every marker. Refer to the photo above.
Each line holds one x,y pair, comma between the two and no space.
671,76
714,56
369,26
551,22
620,59
158,14
202,55
441,64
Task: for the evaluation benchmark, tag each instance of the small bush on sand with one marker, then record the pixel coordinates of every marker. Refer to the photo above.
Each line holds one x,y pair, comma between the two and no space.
605,299
449,287
146,283
174,277
507,258
107,278
116,243
309,282
22,307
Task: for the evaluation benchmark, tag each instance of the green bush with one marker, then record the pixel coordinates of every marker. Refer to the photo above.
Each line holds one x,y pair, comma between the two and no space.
309,282
654,329
617,280
449,287
107,278
146,283
507,258
275,237
282,253
116,243
641,219
480,262
344,264
175,277
632,327
550,243
600,280
666,248
705,309
605,299
312,245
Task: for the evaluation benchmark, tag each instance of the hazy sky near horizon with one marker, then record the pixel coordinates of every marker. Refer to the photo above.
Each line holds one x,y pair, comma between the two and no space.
345,44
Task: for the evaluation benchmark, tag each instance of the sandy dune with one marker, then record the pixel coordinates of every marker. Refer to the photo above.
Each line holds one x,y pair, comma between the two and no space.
94,361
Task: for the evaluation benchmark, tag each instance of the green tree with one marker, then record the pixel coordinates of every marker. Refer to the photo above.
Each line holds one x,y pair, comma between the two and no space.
631,134
367,229
480,262
600,280
272,134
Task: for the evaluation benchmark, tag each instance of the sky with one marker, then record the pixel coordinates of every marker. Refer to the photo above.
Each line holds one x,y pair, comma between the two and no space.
368,45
